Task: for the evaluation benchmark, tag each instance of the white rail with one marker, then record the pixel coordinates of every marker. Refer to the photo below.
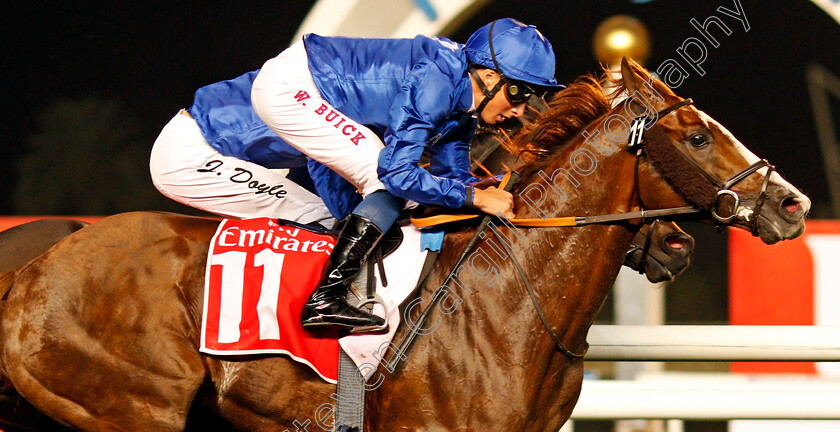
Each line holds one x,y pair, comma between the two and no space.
708,400
722,397
713,343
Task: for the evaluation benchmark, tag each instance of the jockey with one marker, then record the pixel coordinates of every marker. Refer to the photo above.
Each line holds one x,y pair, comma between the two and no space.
367,109
355,116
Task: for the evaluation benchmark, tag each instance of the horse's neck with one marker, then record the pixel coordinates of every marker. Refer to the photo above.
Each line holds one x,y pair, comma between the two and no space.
572,269
487,334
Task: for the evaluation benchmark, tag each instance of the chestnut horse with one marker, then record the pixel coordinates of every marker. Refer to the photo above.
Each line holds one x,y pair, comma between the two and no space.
101,332
660,250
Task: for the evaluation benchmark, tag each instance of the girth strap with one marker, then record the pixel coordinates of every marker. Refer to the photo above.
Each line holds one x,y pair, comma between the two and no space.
350,403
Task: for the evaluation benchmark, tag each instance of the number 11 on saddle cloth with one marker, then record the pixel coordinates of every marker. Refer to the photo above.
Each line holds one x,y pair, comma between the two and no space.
261,272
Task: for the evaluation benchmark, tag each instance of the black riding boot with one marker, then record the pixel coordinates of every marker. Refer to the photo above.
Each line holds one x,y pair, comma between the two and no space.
327,305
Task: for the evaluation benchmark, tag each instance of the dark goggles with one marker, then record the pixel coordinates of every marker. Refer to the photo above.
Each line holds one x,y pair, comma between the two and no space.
518,92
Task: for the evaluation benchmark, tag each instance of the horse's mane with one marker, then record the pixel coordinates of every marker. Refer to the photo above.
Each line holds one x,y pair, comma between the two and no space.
572,109
548,124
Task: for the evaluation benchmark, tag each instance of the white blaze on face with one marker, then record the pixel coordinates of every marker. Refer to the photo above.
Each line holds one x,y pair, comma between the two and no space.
751,158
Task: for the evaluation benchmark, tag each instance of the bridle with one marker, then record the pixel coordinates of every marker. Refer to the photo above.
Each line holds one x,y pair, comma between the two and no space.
636,142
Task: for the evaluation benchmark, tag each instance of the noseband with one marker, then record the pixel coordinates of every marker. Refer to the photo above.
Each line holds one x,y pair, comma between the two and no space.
636,142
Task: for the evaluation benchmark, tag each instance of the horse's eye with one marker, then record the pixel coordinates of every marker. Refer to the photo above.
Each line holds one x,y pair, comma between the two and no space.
698,140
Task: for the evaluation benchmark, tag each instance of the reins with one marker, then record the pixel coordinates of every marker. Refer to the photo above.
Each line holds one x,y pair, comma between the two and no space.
636,143
557,342
507,184
567,221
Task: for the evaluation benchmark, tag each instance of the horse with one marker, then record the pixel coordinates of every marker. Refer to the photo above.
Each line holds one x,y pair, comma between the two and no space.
660,250
100,333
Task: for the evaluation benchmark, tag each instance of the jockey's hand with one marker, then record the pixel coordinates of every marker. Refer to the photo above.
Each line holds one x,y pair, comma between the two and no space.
494,201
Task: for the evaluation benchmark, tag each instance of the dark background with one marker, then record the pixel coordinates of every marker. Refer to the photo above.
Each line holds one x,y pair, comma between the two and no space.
151,56
86,89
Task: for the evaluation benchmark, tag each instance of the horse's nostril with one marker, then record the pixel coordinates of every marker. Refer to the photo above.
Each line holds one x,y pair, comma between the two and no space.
790,205
675,242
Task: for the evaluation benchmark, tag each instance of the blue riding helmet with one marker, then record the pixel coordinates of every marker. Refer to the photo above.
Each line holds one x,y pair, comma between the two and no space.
517,51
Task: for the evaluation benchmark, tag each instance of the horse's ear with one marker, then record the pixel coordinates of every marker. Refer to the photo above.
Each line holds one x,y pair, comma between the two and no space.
628,75
637,79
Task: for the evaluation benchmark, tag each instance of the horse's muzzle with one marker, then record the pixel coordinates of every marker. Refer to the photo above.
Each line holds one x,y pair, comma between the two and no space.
782,217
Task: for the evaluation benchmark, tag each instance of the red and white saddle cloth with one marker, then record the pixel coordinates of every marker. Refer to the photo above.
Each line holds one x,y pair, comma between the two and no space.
260,273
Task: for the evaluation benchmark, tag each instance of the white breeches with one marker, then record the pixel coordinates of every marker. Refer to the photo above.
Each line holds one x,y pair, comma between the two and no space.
185,168
286,98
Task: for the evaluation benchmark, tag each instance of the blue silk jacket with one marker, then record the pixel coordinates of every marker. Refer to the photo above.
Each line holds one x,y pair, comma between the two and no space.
415,94
229,123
